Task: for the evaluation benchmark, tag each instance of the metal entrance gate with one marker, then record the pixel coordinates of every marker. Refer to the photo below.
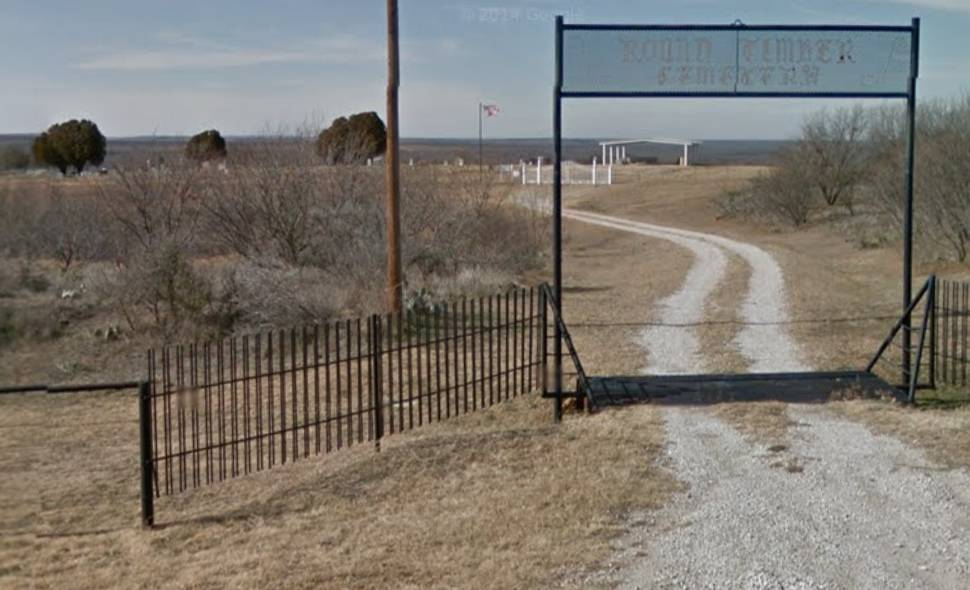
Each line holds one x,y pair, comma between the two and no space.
730,61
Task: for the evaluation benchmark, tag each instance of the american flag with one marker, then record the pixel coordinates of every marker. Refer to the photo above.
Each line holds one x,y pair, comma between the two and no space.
490,110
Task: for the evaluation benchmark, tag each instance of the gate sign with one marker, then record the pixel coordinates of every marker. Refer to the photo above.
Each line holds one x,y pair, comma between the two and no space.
736,60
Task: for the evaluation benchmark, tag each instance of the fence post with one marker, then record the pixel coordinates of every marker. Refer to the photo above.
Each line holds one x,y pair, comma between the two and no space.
932,327
377,388
147,467
544,340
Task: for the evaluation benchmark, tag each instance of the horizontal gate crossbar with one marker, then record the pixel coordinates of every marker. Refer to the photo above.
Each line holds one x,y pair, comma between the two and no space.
596,94
738,27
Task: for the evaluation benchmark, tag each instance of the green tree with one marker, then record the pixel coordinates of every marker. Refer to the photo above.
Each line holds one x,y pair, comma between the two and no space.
72,144
331,141
353,140
45,154
206,146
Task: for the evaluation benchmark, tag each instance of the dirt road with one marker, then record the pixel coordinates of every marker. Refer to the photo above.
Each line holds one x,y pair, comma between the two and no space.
672,347
837,508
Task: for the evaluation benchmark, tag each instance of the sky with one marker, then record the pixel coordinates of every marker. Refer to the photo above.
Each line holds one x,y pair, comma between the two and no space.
248,67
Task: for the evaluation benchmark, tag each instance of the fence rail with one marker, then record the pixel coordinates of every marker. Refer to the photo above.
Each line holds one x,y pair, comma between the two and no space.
219,410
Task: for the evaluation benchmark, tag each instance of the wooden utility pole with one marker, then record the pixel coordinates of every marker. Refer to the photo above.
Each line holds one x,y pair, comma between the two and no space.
392,167
481,107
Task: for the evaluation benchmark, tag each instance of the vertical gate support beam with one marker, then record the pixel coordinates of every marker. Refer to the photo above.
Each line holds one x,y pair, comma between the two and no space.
557,216
908,219
147,467
377,379
932,329
914,380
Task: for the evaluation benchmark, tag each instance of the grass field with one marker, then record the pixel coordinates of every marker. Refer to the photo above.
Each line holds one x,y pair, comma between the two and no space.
497,499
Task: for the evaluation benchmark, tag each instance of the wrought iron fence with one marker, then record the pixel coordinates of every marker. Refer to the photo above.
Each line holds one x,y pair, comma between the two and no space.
218,410
952,327
913,338
938,327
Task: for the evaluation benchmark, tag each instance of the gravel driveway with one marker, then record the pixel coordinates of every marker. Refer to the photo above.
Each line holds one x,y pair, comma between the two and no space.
669,347
840,508
763,340
865,511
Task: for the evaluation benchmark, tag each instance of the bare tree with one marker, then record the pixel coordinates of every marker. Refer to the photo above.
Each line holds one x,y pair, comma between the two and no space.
942,173
157,204
71,229
273,203
156,211
833,148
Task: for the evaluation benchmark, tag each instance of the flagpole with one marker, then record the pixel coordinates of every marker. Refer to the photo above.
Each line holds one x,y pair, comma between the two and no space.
480,108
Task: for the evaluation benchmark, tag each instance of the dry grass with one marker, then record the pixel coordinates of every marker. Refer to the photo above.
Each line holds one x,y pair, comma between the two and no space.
943,434
842,299
497,499
765,423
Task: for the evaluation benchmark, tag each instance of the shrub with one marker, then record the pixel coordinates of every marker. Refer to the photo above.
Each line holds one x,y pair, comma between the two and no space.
353,140
853,154
33,281
267,292
783,194
283,241
206,146
159,285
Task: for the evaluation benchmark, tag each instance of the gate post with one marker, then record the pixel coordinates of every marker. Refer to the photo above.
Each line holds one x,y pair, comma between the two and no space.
147,466
557,217
543,341
932,328
376,380
908,210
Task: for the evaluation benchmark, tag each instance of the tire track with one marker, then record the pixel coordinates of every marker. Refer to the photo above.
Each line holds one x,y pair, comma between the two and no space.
763,340
673,349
